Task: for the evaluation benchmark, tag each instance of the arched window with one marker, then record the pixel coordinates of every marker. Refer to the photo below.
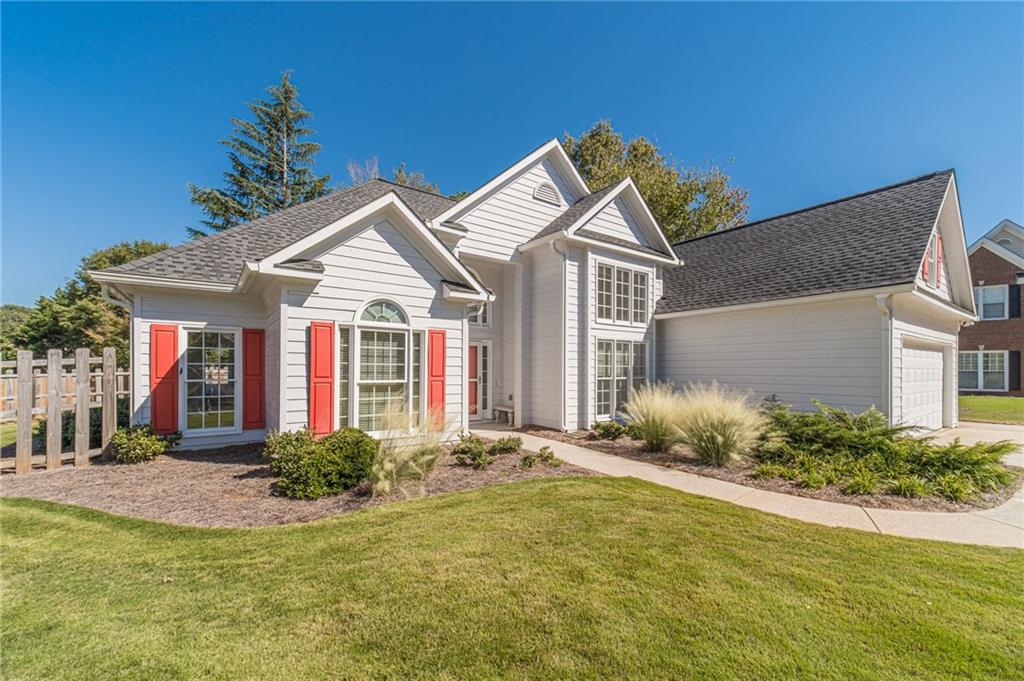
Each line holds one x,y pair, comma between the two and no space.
1005,243
383,311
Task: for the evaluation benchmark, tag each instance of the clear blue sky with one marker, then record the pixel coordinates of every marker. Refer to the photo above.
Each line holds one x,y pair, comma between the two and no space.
109,110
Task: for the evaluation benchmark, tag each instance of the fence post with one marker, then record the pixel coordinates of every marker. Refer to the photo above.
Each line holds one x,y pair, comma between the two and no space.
26,400
82,420
54,374
109,410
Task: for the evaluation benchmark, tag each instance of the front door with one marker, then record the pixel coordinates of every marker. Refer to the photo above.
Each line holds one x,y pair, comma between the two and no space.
478,373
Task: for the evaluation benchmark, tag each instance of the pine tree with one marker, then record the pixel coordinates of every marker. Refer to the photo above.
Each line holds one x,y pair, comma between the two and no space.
271,161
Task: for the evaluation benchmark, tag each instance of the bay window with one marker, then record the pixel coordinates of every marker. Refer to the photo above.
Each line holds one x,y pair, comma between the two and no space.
621,295
620,368
983,371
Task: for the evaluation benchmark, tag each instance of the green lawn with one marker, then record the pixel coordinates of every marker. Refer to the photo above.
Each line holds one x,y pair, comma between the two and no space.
992,409
553,578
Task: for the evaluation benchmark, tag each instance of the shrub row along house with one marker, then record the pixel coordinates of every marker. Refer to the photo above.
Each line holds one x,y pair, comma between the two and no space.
541,300
990,350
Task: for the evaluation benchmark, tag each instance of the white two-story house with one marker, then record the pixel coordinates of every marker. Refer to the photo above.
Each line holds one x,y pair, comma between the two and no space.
534,298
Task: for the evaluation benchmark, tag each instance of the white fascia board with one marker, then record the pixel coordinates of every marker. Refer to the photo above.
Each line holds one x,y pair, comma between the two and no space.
455,294
664,259
821,298
1006,224
551,147
1002,252
389,202
162,282
948,308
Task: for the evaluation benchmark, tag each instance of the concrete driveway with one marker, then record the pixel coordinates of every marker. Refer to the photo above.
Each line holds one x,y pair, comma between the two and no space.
970,432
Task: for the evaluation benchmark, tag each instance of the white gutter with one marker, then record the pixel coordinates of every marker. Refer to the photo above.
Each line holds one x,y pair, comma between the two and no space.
821,298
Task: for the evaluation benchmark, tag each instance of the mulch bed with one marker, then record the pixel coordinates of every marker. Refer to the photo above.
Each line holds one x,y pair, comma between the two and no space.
682,458
232,487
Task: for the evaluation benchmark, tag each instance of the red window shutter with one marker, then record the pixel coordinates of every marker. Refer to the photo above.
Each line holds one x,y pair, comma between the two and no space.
321,377
253,380
436,372
924,267
938,260
163,377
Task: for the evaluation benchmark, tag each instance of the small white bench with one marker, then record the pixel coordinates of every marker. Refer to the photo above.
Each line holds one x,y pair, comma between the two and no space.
506,411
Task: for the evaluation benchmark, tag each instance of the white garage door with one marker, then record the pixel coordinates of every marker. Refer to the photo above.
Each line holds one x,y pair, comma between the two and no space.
922,386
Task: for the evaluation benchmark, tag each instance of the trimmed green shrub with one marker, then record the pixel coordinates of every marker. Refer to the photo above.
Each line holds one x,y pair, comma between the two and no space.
955,487
505,445
137,444
719,425
309,468
472,451
545,456
653,410
862,452
910,486
633,432
608,430
861,481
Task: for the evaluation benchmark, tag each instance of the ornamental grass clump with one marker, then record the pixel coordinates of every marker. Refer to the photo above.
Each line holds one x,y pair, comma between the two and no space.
653,412
718,424
409,451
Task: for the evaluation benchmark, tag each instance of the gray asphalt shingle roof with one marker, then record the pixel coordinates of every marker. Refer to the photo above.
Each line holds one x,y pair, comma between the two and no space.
220,257
873,239
574,212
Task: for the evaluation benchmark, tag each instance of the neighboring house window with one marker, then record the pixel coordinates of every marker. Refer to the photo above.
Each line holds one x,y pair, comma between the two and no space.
986,371
991,301
211,379
604,292
480,316
622,295
1005,243
621,367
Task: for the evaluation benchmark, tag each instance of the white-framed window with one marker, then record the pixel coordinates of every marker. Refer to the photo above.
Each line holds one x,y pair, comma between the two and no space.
210,379
481,315
604,292
984,371
992,302
380,361
620,368
622,295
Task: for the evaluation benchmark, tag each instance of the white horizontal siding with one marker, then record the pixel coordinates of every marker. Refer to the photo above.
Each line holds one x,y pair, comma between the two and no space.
190,308
378,262
830,351
615,220
512,216
544,341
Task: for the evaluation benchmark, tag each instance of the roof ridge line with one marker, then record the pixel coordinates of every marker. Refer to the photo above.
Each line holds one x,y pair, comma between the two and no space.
823,204
424,191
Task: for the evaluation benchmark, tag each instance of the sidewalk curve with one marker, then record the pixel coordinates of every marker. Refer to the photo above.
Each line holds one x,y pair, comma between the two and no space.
1000,526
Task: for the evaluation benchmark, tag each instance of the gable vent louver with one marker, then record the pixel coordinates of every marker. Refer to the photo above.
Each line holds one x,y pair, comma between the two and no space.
547,193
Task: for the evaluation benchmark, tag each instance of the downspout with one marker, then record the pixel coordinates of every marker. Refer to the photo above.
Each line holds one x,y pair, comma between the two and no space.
565,336
884,303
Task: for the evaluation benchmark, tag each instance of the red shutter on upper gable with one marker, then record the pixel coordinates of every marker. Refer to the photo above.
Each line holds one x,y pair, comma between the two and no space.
163,378
253,380
927,257
938,260
321,377
436,372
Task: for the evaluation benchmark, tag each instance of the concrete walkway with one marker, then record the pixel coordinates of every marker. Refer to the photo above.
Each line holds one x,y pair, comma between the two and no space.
1002,526
970,432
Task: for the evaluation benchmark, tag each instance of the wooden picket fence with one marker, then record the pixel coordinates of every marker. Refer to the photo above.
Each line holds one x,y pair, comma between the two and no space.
79,384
